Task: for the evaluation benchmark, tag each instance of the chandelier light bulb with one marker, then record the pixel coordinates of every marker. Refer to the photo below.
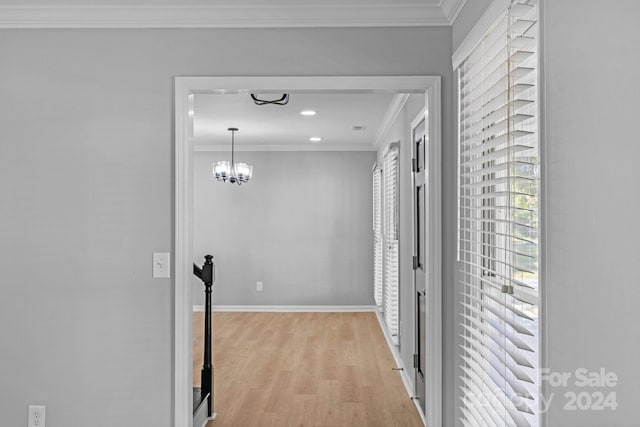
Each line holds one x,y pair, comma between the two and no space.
225,170
243,172
222,170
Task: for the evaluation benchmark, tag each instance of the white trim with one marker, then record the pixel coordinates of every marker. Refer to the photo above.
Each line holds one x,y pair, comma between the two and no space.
226,16
211,418
419,118
482,25
543,328
422,115
308,84
289,308
186,87
389,118
389,146
402,370
457,298
308,147
183,327
433,257
451,9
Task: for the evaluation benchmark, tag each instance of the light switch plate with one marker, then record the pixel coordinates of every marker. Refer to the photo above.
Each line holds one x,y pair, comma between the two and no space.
161,265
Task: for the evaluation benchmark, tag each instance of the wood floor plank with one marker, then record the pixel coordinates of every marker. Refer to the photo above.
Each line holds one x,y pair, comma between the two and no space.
302,410
303,370
353,414
327,410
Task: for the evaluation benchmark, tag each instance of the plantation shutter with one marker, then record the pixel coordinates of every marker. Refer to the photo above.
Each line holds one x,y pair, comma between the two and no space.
498,225
390,170
377,236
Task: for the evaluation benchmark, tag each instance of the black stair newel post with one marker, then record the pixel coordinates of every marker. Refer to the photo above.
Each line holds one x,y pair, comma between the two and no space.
206,375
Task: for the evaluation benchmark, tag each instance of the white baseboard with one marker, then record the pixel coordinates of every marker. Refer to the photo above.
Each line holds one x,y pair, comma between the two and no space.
404,374
290,308
211,418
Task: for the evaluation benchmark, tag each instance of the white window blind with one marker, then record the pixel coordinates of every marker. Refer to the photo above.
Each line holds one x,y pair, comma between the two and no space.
390,297
498,224
377,236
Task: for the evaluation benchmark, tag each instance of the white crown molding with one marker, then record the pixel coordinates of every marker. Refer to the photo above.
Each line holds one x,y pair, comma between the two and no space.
482,25
290,308
395,107
307,147
226,16
451,9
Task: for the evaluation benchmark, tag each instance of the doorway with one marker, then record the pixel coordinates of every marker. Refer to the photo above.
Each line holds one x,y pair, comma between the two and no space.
186,89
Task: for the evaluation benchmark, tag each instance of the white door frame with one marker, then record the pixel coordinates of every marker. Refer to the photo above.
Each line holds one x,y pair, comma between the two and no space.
433,259
185,90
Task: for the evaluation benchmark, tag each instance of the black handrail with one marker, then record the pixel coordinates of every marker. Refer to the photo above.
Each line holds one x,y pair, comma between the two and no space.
206,274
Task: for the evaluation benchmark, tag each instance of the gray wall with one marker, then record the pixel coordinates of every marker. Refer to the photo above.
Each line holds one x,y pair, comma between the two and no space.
86,183
592,287
302,227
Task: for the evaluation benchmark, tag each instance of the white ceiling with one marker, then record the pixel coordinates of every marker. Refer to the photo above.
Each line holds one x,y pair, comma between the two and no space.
276,126
271,3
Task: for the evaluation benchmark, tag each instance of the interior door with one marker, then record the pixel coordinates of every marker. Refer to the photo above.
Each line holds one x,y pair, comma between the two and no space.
419,254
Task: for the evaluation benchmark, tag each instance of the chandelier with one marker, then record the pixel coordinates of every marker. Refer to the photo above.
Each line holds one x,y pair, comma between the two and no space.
230,171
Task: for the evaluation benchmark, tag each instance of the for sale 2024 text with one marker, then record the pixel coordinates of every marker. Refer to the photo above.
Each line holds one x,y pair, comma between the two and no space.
589,390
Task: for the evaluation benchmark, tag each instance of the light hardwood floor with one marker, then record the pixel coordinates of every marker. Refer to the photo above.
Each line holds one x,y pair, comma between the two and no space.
303,369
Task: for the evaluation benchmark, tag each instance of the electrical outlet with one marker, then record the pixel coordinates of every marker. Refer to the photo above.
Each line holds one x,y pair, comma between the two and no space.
36,416
259,286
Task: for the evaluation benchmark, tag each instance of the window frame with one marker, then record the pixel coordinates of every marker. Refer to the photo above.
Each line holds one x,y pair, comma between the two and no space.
495,10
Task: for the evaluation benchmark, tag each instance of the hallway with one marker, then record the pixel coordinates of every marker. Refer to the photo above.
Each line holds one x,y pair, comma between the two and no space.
303,369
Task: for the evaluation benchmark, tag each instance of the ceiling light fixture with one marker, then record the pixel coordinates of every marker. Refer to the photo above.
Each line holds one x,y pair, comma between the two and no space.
284,100
230,171
315,139
308,113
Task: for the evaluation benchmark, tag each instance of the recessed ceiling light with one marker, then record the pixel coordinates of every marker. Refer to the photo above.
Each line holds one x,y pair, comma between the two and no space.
315,139
308,113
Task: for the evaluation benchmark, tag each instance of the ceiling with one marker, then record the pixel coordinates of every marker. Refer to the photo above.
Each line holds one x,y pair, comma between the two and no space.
283,127
226,13
272,3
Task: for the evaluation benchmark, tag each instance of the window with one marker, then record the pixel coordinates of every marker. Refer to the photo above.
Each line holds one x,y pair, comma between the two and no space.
498,225
377,236
391,235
